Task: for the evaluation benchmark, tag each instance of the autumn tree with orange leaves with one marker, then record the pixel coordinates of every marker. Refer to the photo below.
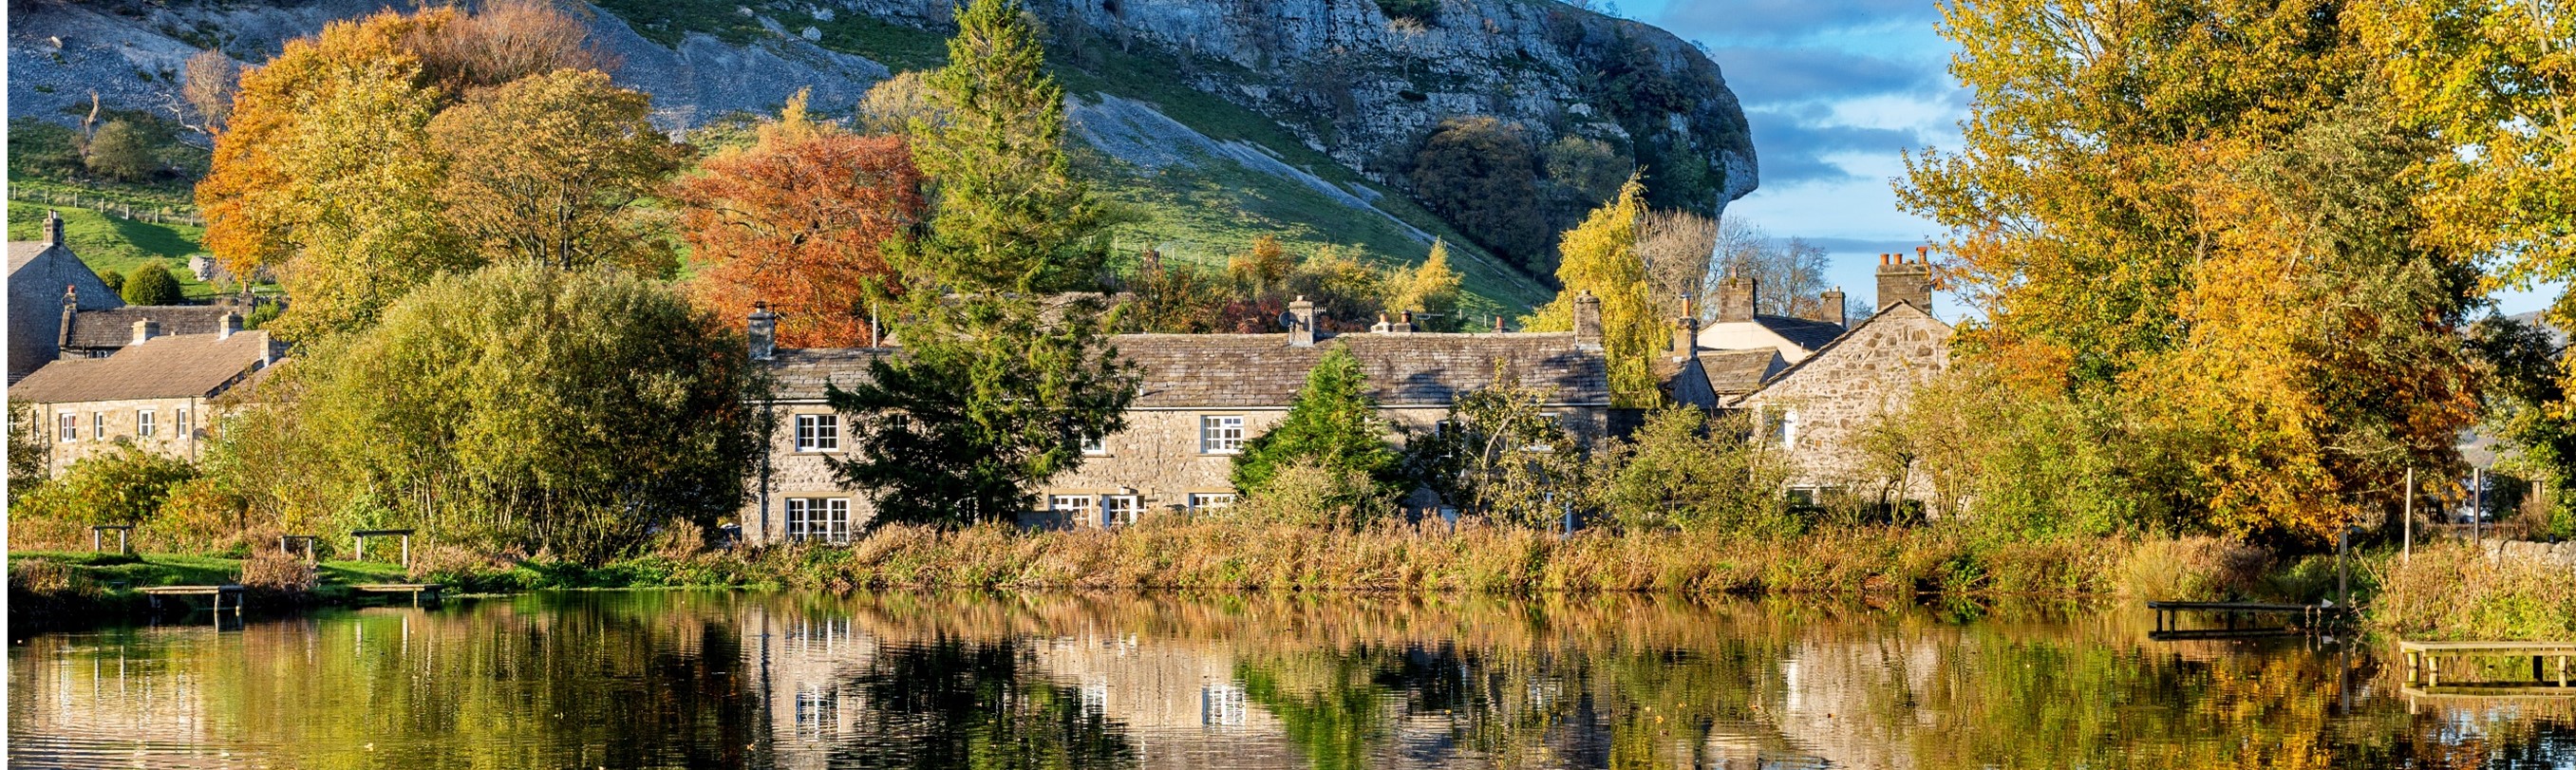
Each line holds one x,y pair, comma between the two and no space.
799,220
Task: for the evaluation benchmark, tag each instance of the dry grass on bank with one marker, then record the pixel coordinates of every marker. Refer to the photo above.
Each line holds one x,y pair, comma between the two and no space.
1241,556
2454,591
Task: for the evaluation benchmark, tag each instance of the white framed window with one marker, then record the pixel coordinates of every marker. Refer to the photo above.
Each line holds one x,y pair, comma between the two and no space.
143,423
1784,428
818,518
1071,503
67,426
1221,435
179,423
1211,501
98,426
1123,509
1095,446
818,433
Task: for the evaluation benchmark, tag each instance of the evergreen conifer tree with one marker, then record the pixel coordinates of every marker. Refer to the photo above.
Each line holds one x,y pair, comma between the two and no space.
1008,214
1333,424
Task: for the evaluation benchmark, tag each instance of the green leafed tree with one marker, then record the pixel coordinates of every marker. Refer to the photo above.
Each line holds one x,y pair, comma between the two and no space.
1683,470
1333,424
989,396
151,284
121,151
1007,214
123,486
1499,455
514,408
30,448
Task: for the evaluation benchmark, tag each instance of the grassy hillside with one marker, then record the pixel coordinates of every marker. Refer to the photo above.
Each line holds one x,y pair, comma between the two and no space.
112,243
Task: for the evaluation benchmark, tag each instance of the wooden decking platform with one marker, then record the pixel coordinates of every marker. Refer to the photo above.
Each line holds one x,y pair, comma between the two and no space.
416,590
217,591
2301,617
2422,659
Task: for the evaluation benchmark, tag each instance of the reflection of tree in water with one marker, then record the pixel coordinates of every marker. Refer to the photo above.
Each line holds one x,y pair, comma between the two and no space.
947,702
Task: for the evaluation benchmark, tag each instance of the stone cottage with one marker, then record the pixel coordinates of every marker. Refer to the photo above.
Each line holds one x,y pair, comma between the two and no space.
1818,407
1201,397
47,283
157,392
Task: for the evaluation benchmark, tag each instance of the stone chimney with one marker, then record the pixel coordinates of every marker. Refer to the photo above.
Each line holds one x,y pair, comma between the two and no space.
1587,321
762,328
1903,280
1686,331
1735,297
1301,323
53,228
1403,324
231,326
145,330
71,312
1831,311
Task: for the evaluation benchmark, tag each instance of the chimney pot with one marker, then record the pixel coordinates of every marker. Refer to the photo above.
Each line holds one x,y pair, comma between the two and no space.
1832,311
1905,281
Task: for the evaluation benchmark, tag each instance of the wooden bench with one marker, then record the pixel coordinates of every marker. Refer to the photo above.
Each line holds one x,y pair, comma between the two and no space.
219,592
2422,658
362,535
415,589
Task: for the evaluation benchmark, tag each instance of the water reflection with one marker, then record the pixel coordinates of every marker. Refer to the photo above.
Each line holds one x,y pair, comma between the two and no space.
720,680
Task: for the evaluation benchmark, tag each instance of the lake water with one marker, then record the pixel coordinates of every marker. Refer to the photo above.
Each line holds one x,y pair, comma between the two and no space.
725,680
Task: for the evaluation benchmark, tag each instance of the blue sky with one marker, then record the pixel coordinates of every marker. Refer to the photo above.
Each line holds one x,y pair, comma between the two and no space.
1837,91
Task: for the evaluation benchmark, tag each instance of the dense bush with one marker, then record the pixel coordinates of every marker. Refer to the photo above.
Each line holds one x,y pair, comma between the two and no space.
150,284
125,486
121,151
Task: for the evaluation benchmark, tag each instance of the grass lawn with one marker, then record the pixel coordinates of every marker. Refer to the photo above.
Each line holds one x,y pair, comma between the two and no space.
113,243
168,569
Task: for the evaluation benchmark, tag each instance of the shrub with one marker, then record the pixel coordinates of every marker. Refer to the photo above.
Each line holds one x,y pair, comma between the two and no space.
2192,569
2455,591
122,151
124,486
1306,492
115,281
277,574
150,284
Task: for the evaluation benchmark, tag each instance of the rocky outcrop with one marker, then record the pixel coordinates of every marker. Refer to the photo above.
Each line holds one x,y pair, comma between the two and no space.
1365,87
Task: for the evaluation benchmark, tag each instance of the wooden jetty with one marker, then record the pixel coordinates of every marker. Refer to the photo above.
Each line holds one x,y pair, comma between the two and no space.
416,590
2300,617
2422,659
219,592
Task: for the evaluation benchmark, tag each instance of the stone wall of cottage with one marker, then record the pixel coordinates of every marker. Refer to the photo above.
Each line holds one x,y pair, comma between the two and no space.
1158,459
792,475
122,420
1841,391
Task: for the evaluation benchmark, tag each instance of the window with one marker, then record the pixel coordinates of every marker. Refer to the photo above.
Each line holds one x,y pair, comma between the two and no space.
98,426
1095,446
179,423
818,433
1784,428
818,518
1210,501
1071,503
1123,509
1221,435
142,423
70,426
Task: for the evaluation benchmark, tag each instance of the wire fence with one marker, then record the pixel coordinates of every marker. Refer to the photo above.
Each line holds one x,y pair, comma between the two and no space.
110,205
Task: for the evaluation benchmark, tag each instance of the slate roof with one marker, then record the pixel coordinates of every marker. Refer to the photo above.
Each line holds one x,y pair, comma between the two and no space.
23,252
166,367
1262,370
114,327
798,374
1809,334
1227,371
1737,372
